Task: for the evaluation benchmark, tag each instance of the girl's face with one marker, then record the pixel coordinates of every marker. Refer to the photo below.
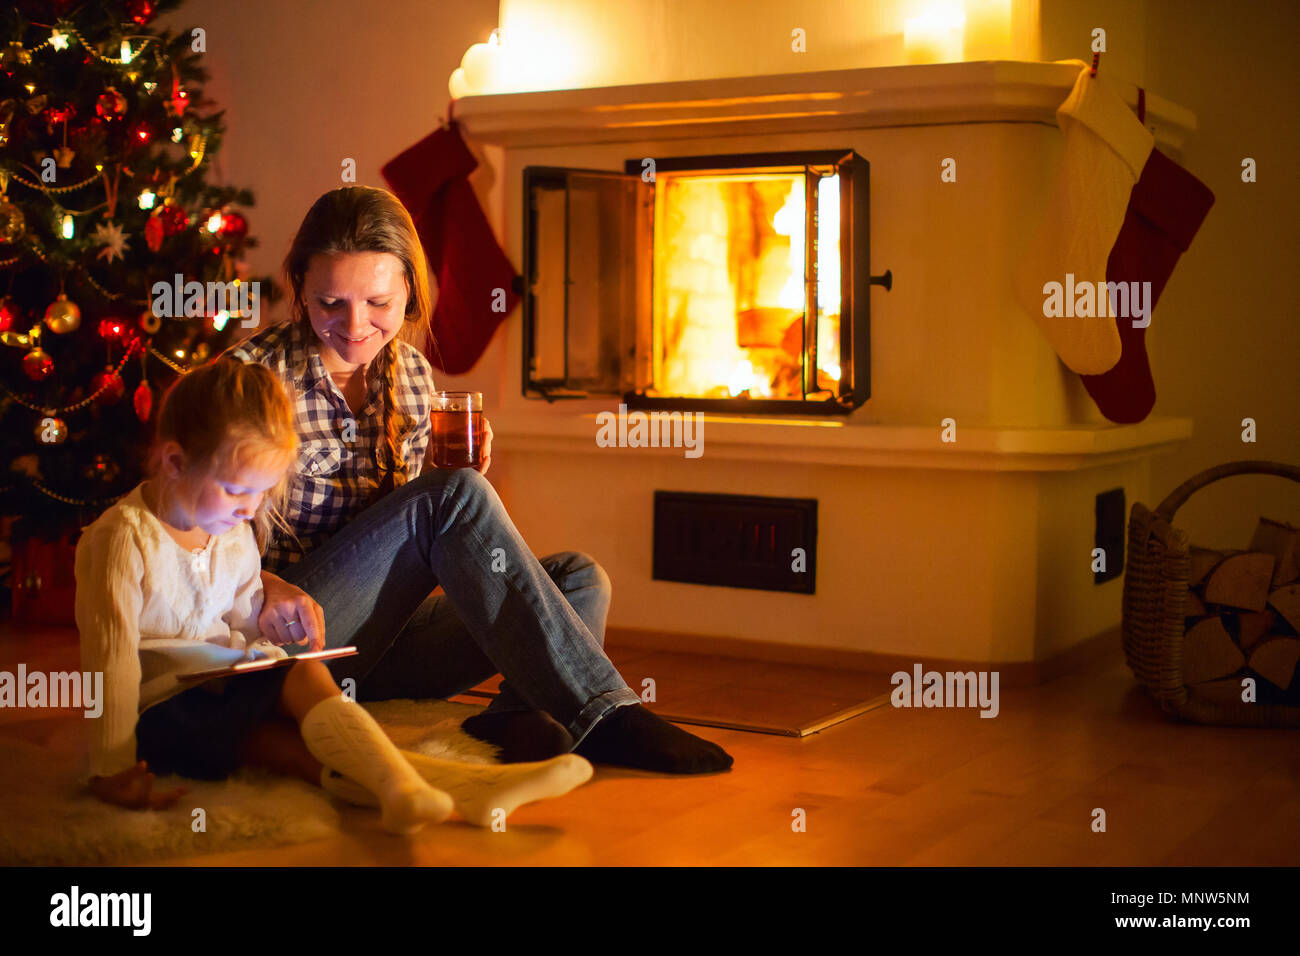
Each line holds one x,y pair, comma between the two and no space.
232,496
356,302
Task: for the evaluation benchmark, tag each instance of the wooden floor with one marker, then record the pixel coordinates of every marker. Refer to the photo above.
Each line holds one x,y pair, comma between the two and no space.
890,787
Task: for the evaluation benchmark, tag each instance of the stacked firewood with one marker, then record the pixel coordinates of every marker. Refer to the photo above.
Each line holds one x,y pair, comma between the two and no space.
1243,613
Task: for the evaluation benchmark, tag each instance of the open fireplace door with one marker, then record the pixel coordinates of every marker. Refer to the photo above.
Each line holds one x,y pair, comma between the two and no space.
587,279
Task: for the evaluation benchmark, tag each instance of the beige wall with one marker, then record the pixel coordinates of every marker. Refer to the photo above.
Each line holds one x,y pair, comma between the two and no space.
1236,352
1228,325
603,42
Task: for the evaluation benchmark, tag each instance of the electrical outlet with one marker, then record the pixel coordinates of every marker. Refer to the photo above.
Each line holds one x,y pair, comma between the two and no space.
1109,534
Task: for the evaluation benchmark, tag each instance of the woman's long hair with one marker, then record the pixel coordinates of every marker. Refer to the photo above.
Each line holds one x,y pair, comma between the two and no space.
368,219
223,415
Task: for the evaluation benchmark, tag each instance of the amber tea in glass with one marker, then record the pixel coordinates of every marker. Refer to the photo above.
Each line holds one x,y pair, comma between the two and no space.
457,434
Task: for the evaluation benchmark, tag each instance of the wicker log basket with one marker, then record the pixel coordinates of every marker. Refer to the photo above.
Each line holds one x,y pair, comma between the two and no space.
1155,598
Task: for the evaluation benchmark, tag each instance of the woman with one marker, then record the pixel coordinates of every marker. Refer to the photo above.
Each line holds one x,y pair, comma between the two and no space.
376,527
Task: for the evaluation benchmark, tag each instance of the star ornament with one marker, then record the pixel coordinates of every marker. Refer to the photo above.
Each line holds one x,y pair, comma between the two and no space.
109,235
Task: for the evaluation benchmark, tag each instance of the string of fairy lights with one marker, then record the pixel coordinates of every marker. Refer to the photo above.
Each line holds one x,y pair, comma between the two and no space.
63,315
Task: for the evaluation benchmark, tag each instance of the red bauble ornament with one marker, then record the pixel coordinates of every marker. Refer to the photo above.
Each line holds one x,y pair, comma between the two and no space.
37,365
114,330
233,226
111,383
153,233
88,134
140,11
174,219
111,104
143,401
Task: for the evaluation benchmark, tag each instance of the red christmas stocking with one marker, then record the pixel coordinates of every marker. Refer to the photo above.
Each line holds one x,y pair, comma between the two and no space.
1165,211
431,180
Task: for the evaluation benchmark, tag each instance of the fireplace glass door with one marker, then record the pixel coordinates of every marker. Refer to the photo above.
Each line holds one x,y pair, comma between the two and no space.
732,283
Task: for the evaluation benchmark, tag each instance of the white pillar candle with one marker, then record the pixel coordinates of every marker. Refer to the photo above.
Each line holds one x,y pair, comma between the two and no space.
934,36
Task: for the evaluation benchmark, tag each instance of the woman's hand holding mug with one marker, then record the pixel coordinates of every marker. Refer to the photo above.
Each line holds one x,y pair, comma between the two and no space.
487,447
459,435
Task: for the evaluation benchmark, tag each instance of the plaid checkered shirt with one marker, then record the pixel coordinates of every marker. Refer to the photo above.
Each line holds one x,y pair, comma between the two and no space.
333,478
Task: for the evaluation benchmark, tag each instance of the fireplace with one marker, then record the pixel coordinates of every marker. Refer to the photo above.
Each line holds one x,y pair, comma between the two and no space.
733,282
658,223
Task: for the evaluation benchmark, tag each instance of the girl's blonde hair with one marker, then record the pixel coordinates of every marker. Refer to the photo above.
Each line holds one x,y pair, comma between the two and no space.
369,219
224,414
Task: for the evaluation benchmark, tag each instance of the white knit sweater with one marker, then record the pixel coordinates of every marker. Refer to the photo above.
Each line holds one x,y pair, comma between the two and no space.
148,610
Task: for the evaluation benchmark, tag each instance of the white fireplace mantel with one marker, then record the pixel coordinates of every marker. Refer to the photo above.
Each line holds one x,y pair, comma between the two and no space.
832,442
988,91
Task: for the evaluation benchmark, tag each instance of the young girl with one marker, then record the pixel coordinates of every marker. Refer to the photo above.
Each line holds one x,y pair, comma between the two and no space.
377,528
168,582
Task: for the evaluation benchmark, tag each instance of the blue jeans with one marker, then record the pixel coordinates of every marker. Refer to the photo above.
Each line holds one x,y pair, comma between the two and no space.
541,624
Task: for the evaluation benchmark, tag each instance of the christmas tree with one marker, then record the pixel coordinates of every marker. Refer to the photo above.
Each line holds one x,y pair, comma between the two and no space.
105,144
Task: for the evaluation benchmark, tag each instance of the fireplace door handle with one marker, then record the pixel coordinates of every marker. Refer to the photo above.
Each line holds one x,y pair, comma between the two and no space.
887,280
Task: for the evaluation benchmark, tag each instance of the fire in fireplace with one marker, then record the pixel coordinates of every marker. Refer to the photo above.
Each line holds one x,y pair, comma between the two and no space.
734,282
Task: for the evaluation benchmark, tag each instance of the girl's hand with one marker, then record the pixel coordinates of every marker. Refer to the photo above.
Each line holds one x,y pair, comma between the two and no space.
132,788
290,615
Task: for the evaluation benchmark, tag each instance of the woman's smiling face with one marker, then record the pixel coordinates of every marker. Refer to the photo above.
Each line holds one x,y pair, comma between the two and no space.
356,302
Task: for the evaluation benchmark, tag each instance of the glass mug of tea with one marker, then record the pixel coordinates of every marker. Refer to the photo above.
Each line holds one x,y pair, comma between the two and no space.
456,440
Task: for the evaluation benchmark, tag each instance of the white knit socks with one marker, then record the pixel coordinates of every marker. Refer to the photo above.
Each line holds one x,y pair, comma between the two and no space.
479,790
343,736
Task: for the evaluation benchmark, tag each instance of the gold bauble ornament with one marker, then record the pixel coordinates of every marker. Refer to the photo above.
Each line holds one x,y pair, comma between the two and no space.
149,322
62,316
14,54
51,431
12,222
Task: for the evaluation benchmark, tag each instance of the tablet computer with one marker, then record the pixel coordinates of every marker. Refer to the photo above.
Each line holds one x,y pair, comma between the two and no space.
266,663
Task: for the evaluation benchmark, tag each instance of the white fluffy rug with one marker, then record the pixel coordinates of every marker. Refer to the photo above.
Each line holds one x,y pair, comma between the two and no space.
47,819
